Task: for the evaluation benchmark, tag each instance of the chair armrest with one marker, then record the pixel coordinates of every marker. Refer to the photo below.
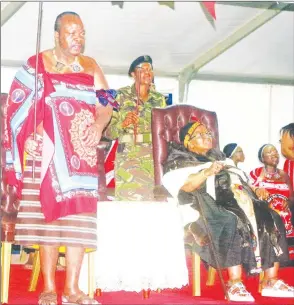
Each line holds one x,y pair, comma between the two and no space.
9,210
160,193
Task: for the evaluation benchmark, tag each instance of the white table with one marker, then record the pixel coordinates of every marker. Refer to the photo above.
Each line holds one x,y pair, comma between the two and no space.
140,246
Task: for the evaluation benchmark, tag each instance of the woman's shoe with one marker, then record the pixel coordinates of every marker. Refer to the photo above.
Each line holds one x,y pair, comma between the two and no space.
279,290
238,293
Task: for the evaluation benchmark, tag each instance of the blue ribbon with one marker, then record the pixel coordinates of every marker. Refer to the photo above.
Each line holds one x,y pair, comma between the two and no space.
106,97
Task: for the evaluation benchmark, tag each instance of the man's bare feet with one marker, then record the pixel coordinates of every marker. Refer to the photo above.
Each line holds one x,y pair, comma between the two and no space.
78,298
48,298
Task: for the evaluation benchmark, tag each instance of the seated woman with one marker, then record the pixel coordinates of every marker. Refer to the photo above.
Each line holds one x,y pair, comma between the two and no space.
234,152
276,182
246,233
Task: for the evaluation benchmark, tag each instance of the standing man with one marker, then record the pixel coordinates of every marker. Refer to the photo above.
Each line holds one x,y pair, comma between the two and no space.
134,170
58,206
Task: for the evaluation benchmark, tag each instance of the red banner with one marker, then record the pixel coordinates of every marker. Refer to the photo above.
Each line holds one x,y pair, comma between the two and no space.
210,7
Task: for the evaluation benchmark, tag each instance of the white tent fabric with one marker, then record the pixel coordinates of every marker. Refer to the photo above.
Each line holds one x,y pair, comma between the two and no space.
251,82
173,38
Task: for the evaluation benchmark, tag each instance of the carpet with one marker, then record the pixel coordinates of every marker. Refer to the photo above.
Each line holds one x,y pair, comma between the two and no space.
20,277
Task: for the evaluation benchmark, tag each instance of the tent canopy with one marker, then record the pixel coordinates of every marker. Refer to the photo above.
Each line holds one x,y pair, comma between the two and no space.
249,40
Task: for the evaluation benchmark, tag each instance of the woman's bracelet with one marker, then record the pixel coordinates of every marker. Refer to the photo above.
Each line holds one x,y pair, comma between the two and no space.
203,174
256,190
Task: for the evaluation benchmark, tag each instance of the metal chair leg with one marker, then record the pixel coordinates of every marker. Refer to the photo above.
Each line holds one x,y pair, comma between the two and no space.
5,270
211,276
91,274
35,272
196,287
261,276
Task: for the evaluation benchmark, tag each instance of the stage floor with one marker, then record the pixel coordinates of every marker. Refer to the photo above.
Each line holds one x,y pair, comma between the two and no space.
18,292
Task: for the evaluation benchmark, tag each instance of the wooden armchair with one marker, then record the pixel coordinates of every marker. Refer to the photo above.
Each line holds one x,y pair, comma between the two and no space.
166,124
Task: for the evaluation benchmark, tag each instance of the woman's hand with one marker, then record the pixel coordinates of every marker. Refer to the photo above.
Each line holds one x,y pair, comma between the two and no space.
262,193
92,135
132,118
214,169
286,205
31,147
194,181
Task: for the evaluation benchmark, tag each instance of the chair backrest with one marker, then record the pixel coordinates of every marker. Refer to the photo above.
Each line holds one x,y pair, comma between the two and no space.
102,188
166,124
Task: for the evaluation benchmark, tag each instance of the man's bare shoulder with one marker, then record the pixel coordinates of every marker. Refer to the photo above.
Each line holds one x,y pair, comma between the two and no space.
92,67
47,52
47,55
90,61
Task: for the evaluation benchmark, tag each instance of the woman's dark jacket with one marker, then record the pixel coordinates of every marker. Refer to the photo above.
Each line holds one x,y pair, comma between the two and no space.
227,219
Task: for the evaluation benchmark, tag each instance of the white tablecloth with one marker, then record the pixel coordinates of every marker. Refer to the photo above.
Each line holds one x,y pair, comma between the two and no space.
140,246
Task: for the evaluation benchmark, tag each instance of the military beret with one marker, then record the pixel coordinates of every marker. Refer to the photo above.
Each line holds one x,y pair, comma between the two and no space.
138,61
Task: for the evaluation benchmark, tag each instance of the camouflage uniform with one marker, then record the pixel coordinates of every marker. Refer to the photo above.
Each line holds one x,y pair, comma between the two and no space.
134,172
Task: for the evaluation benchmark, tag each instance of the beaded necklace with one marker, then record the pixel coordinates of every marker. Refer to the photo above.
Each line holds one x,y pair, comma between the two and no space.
75,66
272,176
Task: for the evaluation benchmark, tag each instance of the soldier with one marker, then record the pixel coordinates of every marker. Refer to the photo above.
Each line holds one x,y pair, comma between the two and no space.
134,173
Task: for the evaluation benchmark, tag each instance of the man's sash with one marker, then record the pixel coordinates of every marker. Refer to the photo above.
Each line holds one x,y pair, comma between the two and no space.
63,192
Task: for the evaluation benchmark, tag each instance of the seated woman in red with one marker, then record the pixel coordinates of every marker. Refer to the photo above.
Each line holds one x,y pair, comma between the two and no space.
277,183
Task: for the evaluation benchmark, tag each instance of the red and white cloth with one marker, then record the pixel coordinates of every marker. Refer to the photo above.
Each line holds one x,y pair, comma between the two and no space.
109,164
289,169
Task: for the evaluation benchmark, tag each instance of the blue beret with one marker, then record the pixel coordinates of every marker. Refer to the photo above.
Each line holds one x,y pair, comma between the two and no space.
229,148
138,61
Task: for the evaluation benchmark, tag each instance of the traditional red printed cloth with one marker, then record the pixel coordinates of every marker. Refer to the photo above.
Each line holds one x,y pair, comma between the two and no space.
289,169
66,106
280,192
109,164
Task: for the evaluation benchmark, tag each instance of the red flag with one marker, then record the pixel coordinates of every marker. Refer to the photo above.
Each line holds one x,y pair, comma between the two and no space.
109,164
210,7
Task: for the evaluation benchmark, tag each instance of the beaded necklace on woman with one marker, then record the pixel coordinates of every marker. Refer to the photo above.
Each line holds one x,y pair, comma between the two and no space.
272,175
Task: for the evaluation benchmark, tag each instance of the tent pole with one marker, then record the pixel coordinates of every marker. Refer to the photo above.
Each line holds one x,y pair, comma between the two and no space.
9,10
249,27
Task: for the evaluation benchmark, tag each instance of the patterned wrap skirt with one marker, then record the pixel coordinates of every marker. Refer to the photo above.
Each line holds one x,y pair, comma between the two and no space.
78,230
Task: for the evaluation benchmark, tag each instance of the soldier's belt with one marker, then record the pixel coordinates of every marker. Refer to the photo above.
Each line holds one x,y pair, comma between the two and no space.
140,138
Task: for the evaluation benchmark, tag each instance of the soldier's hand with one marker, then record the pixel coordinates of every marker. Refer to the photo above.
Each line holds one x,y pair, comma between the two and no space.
131,119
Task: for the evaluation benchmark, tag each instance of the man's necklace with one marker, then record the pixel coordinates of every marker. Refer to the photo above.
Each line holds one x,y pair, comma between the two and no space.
75,66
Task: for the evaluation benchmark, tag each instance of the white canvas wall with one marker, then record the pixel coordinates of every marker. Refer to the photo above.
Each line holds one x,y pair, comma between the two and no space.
248,114
163,84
